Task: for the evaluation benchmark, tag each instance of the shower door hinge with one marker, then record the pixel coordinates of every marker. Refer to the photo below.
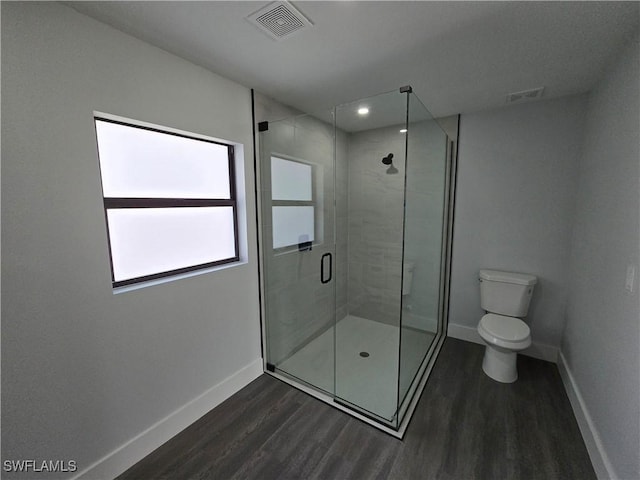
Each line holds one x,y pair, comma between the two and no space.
263,126
271,367
406,89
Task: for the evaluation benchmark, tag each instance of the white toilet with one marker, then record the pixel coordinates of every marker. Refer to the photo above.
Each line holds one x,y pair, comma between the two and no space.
504,296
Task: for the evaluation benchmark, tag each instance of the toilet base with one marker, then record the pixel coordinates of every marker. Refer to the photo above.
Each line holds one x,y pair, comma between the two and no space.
500,364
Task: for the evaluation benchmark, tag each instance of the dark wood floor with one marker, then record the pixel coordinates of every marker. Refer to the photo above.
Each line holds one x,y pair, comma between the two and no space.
466,426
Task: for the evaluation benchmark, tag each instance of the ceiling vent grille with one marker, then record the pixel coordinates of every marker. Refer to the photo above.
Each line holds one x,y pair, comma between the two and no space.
279,20
525,95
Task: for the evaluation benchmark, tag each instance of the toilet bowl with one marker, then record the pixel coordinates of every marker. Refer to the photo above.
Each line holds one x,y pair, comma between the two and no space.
505,296
504,336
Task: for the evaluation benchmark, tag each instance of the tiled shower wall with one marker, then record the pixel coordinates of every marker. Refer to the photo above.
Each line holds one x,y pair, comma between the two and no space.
376,223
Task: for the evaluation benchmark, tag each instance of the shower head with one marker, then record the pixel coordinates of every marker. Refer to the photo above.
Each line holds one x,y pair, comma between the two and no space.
388,159
391,170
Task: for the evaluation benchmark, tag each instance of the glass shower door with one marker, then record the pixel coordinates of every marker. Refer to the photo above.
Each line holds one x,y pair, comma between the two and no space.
298,248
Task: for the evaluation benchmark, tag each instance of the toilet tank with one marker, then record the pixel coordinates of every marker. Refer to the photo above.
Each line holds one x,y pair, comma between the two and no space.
506,293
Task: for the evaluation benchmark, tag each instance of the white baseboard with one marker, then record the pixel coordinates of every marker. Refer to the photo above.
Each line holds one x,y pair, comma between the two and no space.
128,454
536,350
599,458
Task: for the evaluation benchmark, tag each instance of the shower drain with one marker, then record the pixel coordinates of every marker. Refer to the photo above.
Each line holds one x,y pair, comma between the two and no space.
364,354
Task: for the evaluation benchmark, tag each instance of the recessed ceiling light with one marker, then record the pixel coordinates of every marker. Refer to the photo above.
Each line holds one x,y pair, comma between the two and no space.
363,111
404,130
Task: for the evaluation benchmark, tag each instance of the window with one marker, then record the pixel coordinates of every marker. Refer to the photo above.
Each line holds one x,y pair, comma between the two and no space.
293,203
169,199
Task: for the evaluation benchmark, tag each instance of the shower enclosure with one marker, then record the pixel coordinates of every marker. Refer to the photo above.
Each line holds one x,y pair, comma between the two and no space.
354,236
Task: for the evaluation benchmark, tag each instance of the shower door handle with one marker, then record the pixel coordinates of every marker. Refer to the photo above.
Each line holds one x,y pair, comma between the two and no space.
322,262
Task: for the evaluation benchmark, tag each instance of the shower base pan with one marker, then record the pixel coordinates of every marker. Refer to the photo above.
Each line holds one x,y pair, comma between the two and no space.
358,382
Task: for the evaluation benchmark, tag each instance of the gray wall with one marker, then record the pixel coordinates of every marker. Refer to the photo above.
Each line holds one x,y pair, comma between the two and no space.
84,370
601,341
514,206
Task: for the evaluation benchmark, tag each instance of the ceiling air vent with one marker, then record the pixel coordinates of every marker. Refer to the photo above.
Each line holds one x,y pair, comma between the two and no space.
279,20
525,95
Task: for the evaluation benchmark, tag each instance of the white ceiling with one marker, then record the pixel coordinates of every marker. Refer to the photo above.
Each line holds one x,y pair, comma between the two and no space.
458,56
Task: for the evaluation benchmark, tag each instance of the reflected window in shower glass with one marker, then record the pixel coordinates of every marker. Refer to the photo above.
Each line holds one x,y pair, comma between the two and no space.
290,180
292,226
293,202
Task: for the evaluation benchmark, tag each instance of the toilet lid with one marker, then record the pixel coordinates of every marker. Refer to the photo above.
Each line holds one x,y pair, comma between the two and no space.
509,329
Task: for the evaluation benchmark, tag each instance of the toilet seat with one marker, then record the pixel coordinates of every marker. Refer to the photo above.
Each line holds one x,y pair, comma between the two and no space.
506,332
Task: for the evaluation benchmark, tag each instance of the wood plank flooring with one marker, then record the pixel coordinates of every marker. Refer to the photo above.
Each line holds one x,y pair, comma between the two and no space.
466,426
